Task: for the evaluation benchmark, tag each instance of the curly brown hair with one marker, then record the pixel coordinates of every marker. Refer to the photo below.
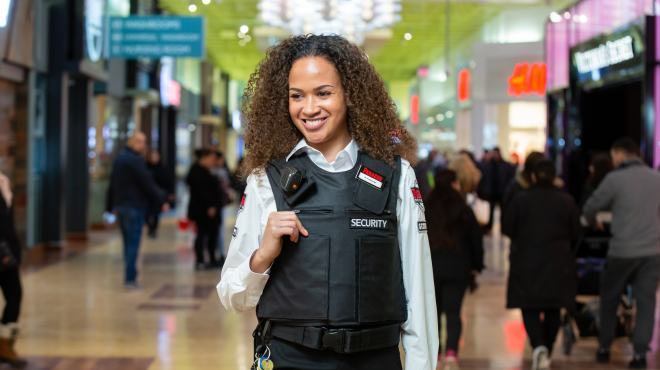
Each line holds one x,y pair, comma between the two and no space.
371,114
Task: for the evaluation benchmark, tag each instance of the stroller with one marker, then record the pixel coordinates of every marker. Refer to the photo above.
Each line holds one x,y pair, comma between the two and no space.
590,253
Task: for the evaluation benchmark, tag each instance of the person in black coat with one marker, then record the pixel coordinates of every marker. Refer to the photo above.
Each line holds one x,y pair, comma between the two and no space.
521,181
10,280
543,223
497,173
457,252
204,206
162,180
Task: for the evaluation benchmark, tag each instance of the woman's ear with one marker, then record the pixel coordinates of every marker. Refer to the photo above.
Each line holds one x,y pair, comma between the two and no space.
533,178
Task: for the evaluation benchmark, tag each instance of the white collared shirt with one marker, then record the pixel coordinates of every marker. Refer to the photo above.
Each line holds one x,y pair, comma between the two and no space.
240,288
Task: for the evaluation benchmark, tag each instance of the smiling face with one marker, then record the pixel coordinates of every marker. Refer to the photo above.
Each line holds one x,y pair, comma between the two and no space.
317,103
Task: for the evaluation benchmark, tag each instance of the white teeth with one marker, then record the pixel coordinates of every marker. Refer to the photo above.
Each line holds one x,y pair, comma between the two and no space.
315,122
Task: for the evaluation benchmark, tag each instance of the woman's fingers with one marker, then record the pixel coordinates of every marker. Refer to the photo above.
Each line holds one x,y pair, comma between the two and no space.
301,228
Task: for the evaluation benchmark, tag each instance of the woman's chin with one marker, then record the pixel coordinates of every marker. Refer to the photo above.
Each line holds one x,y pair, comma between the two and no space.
315,137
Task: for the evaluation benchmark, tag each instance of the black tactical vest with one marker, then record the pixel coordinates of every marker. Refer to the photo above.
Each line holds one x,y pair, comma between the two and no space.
347,272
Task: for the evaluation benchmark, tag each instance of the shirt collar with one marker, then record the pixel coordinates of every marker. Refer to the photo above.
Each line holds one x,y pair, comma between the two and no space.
302,146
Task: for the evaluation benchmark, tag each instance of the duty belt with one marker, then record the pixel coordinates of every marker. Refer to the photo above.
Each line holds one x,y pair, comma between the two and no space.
338,340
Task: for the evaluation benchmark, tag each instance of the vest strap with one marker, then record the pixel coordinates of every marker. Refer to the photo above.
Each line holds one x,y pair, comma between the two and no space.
339,340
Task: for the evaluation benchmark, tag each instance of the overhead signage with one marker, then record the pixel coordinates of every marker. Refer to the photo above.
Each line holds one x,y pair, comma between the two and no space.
156,36
605,55
414,109
464,85
528,79
94,12
608,59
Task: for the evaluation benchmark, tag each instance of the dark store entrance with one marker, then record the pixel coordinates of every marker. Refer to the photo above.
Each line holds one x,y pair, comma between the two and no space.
609,113
606,114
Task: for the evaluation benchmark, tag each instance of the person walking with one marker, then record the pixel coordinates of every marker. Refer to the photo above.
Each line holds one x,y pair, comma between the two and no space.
521,181
601,164
162,180
466,171
331,240
632,192
131,189
543,222
204,207
10,279
457,252
469,177
497,173
221,172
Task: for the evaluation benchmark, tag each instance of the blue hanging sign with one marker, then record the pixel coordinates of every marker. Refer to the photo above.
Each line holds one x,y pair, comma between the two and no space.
155,37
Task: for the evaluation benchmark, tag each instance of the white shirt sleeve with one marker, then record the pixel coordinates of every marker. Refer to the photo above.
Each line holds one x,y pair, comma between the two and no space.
419,334
239,287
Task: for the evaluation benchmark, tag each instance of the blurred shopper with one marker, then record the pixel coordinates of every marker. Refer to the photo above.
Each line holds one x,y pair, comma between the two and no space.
542,222
162,180
485,158
131,189
467,172
469,178
601,164
457,251
422,170
497,174
239,183
221,172
521,182
204,207
10,279
632,192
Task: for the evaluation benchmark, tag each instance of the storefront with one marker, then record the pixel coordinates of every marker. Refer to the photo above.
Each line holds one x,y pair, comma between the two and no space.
611,93
508,107
601,82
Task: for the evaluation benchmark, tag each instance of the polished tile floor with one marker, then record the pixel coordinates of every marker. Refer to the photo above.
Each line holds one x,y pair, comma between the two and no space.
76,315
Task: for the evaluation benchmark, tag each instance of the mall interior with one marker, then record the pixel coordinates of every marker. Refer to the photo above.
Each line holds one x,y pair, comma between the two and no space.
87,86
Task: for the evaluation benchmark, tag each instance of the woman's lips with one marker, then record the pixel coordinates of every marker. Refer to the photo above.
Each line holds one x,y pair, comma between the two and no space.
313,124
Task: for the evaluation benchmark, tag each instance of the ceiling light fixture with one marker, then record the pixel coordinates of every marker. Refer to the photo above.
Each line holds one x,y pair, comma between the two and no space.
349,18
407,36
583,18
567,15
244,28
206,2
555,17
192,8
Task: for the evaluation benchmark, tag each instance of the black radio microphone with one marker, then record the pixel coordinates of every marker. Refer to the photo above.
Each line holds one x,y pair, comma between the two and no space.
290,179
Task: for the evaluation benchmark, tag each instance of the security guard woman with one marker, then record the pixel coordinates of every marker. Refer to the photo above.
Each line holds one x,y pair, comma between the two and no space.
330,242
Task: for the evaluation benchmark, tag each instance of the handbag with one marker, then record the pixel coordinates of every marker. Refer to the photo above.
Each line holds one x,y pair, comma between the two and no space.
7,259
480,207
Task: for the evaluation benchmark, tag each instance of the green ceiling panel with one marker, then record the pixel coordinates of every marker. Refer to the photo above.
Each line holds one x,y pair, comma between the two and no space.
397,60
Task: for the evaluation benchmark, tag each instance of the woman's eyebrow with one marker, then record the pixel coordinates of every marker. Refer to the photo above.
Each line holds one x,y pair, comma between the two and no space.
322,87
315,89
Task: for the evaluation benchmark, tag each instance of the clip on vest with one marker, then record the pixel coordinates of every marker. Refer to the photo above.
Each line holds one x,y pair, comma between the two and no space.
291,179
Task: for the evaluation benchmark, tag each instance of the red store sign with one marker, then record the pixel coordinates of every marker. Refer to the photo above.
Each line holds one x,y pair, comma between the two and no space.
528,79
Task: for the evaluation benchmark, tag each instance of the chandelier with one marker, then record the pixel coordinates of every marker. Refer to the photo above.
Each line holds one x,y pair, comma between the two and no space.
349,18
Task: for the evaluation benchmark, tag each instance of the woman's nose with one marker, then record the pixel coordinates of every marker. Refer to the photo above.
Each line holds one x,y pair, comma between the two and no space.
310,107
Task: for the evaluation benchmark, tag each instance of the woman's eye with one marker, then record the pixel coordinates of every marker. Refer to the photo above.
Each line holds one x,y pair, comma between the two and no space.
296,96
324,93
